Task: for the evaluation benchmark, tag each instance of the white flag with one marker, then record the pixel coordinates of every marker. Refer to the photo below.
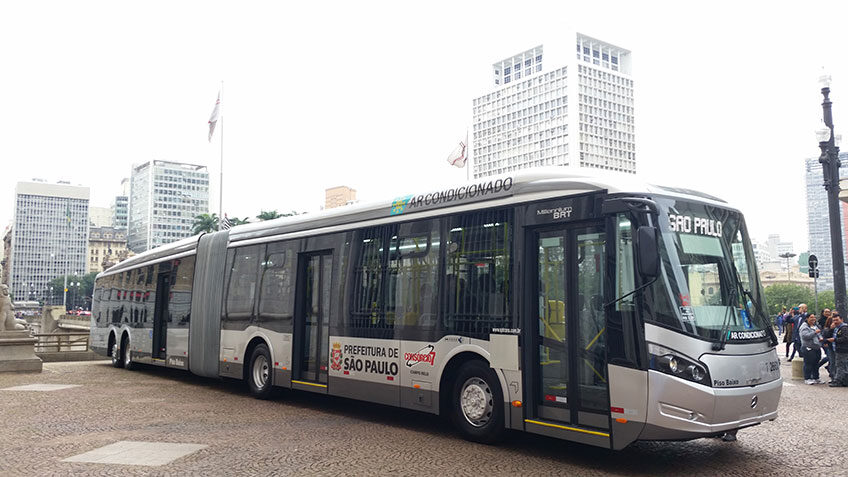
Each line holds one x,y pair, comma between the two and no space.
213,120
459,155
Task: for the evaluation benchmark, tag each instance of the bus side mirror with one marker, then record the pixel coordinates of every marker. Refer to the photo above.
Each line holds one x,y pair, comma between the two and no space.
649,257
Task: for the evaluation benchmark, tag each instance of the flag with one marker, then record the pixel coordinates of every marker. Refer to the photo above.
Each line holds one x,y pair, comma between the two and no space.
224,223
459,155
213,120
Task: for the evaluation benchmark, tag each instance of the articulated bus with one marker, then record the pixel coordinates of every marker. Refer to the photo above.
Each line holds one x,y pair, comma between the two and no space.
594,309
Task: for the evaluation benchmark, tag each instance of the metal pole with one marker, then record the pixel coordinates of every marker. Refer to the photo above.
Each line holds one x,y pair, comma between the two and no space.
830,169
816,290
221,171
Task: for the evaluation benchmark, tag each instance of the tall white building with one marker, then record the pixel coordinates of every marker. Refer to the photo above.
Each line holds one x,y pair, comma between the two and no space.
49,237
165,198
818,219
554,105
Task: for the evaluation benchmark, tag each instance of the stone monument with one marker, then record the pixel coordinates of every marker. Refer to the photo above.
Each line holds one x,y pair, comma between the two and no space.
17,347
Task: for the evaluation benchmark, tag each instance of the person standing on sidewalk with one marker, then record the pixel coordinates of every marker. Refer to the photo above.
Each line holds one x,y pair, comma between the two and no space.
811,344
789,325
840,351
827,346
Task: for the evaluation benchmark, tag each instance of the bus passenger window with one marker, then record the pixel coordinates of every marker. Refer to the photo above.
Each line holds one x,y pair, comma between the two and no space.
368,317
478,271
276,299
414,278
241,288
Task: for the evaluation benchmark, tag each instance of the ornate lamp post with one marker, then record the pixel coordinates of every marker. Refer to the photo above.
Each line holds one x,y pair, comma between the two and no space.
787,256
830,168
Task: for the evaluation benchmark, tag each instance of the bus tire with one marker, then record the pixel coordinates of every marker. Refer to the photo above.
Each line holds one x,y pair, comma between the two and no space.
115,352
477,403
126,354
260,372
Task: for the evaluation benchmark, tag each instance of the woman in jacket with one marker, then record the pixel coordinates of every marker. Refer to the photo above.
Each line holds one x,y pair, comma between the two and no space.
811,344
787,335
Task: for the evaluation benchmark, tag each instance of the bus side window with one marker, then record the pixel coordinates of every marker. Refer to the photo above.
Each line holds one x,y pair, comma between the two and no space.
241,288
179,307
414,271
276,297
478,270
368,317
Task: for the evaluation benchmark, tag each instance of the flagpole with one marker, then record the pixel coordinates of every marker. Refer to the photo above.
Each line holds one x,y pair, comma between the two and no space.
221,170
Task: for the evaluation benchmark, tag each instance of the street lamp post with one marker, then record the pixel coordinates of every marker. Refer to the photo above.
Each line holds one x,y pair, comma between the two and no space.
830,170
787,256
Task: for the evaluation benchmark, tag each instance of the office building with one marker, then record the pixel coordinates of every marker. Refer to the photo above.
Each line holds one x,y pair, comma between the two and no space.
553,106
120,206
49,237
818,219
165,198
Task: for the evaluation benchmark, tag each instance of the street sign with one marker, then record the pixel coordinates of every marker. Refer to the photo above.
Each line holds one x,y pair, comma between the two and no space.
814,273
814,261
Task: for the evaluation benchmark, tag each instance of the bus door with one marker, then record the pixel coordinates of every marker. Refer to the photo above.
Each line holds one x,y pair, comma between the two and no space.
160,315
311,344
569,381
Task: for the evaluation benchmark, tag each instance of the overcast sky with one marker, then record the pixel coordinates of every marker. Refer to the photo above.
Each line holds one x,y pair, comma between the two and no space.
374,95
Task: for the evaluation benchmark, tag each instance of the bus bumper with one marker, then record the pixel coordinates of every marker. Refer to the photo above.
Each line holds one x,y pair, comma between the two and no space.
682,410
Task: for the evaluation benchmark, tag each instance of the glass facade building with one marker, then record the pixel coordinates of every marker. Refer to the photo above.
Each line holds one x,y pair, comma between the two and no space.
49,237
165,197
818,219
578,113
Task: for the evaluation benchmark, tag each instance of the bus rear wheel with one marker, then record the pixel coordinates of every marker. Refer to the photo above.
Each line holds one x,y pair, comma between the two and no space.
259,372
477,402
126,354
115,352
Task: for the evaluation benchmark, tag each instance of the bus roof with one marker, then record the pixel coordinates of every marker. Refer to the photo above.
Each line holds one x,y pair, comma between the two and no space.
521,186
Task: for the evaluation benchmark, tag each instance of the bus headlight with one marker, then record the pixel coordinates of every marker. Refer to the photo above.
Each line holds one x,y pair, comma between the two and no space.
676,364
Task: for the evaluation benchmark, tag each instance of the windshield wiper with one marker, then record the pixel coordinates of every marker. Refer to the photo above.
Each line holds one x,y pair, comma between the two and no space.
725,327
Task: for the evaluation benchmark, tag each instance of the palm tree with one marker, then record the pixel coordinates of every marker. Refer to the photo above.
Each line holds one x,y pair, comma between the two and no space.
238,221
268,215
205,223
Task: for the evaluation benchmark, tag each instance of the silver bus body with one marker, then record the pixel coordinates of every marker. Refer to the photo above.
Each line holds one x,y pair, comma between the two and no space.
527,356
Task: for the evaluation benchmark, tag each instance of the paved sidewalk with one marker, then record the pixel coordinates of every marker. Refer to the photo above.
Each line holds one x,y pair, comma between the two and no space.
223,431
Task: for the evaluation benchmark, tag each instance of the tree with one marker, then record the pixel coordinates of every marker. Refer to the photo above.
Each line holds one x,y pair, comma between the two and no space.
205,223
77,296
273,214
238,221
788,295
826,300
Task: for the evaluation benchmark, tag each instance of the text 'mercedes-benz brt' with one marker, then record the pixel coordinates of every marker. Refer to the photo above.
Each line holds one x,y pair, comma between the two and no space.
590,308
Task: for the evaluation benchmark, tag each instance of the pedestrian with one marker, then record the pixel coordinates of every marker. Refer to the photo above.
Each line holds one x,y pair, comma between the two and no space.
788,324
840,351
795,337
810,334
778,320
823,318
827,347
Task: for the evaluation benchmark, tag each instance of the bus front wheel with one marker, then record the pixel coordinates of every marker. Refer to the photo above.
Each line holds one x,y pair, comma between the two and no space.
259,372
477,401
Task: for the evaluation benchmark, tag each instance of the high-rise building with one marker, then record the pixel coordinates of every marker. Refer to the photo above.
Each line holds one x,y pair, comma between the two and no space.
165,198
120,206
818,219
49,237
551,107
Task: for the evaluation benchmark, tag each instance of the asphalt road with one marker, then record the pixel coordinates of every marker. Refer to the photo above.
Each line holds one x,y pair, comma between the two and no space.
301,433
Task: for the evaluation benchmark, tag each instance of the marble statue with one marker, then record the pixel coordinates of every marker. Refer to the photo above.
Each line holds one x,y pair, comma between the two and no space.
7,312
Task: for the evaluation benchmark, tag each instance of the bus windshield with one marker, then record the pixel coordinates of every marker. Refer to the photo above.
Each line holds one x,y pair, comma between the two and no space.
709,273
